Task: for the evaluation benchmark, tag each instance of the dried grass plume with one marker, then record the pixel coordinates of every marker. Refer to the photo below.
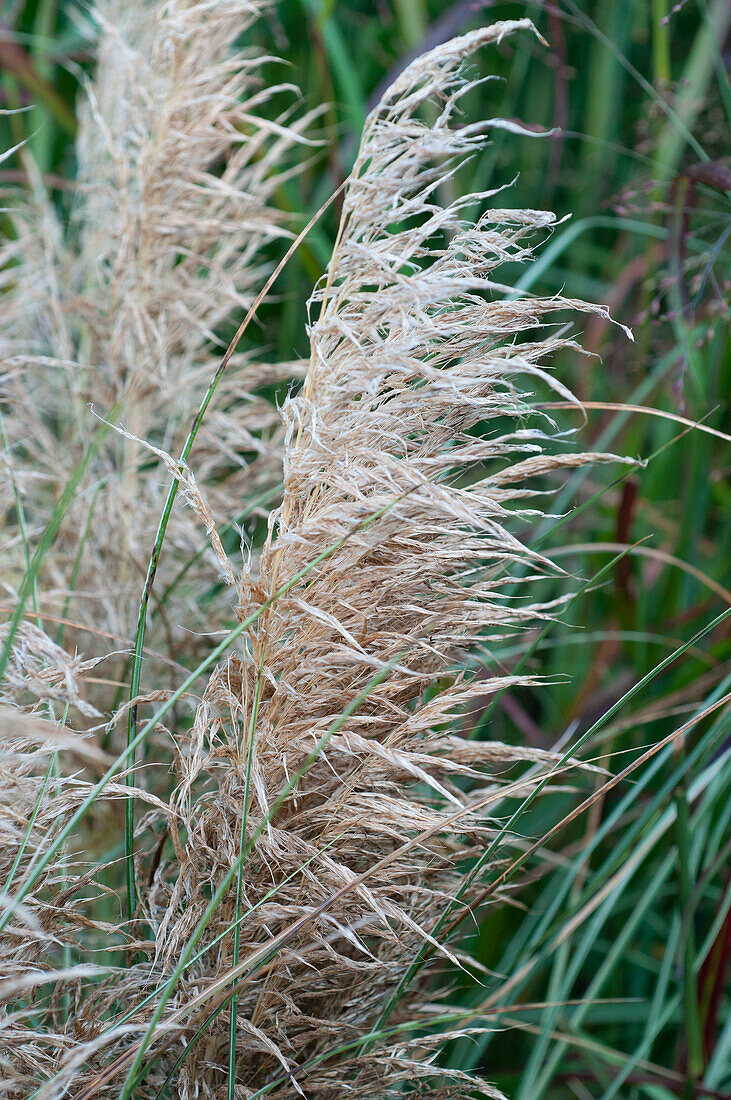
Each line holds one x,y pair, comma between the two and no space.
328,758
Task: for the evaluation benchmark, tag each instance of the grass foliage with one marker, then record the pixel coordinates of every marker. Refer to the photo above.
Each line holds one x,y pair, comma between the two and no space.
364,722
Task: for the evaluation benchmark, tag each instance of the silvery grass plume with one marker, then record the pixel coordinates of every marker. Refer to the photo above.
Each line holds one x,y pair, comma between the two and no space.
324,760
125,309
326,805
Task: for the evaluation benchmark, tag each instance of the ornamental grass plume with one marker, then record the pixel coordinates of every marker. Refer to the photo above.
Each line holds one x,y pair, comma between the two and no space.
125,310
327,809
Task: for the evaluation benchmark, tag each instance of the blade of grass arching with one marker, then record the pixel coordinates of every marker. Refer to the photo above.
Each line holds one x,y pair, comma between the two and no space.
181,690
540,536
507,828
47,539
560,242
529,971
240,875
136,674
651,552
551,525
591,636
548,526
662,414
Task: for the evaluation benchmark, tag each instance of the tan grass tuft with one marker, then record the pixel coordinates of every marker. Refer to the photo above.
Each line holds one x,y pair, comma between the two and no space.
127,308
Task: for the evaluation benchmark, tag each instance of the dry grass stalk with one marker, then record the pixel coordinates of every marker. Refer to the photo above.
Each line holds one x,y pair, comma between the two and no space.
412,348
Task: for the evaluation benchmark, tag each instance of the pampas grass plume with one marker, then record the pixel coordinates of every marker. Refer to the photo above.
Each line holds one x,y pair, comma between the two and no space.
327,762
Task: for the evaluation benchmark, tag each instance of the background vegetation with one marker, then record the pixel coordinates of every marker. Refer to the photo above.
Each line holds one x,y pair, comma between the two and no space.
617,946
